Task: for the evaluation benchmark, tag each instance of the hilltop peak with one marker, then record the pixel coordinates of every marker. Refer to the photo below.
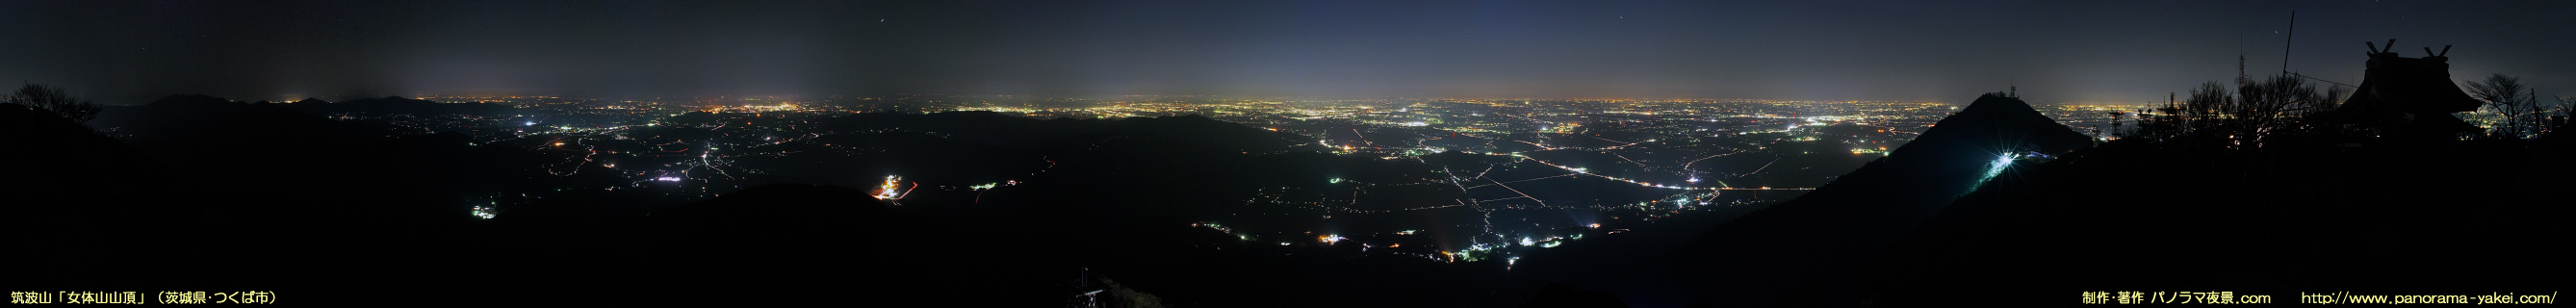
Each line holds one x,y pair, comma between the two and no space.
1859,214
1994,124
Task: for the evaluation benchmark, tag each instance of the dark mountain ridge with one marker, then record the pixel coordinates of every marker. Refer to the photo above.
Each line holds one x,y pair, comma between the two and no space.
2303,215
1790,253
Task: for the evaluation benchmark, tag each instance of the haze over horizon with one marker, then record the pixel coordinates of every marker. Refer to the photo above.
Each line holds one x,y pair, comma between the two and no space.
125,53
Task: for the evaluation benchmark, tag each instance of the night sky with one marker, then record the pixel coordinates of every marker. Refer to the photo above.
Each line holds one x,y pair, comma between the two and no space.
127,52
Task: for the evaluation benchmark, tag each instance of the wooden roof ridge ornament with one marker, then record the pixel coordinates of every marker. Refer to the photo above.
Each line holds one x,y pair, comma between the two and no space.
2407,97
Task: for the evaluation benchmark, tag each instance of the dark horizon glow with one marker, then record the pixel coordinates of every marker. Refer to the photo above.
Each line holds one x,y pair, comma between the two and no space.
131,52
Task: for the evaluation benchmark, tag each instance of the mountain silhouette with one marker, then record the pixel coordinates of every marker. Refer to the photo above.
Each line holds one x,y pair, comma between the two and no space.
217,183
2302,215
1792,252
67,186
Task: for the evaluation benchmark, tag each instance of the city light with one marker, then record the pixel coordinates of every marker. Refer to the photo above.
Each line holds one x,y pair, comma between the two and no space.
886,190
656,156
1993,168
1130,119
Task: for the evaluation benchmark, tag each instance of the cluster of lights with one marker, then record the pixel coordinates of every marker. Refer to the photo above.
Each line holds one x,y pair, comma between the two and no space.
1221,228
1999,164
1995,168
891,188
1584,171
1212,225
886,191
483,212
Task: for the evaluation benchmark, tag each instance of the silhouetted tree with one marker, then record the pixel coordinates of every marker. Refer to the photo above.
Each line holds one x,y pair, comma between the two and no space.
2272,106
2244,117
52,99
2201,112
2516,116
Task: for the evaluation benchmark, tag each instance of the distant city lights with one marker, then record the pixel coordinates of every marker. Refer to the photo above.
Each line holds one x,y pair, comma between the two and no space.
765,146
